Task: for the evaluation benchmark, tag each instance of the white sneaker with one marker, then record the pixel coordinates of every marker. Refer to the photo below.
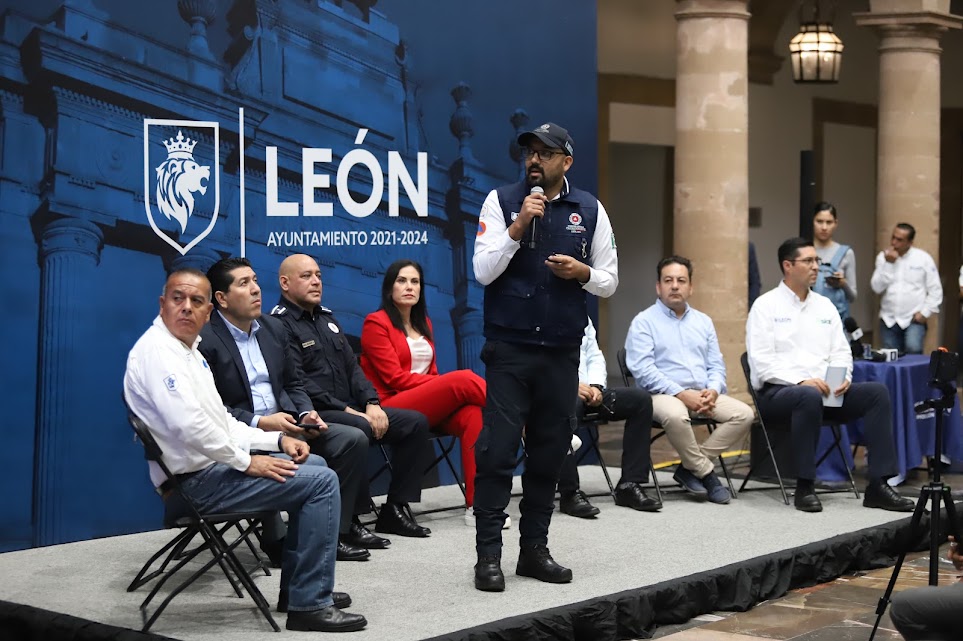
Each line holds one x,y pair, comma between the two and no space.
576,443
470,519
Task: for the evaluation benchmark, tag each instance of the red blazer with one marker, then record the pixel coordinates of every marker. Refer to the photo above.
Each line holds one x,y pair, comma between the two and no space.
386,359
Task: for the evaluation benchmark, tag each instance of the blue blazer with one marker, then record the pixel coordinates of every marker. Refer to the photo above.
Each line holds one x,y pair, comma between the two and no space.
218,347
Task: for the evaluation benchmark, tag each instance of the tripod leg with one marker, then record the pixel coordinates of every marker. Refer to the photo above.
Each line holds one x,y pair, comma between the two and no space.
914,527
936,493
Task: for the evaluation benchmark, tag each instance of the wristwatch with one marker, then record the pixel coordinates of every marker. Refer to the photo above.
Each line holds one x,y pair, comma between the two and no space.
373,401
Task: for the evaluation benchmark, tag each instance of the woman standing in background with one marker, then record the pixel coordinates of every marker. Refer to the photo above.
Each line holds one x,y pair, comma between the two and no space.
837,270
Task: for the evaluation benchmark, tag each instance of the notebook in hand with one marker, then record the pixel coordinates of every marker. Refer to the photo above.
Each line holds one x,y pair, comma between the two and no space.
835,375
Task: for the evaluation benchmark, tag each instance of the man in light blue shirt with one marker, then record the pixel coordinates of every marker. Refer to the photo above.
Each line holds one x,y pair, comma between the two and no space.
673,353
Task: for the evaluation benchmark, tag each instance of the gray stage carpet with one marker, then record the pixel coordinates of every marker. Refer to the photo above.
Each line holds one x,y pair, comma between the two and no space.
423,588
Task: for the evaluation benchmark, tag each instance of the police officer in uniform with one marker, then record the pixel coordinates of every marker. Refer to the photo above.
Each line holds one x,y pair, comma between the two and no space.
341,394
538,251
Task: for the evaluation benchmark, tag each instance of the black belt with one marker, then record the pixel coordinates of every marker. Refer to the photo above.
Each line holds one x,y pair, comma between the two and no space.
167,486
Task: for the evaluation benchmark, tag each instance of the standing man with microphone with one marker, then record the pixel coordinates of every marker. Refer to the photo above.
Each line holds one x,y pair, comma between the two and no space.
541,246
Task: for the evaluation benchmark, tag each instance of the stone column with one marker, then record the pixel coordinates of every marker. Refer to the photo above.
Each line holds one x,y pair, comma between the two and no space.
711,206
469,337
908,139
69,253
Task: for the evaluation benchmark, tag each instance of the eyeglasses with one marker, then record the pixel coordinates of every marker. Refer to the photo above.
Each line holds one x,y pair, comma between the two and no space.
545,155
814,260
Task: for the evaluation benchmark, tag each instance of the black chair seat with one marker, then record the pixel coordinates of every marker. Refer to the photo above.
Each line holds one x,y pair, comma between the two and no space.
229,517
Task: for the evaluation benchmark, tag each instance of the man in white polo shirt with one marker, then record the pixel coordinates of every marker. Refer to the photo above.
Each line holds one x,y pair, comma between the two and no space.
793,336
908,283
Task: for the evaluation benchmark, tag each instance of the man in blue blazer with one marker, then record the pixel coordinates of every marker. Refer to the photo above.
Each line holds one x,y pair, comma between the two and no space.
261,387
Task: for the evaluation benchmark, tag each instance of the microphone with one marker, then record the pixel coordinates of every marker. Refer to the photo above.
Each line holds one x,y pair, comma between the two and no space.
853,334
535,190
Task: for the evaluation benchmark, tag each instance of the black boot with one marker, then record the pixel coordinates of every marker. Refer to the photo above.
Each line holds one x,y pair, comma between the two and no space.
536,562
488,574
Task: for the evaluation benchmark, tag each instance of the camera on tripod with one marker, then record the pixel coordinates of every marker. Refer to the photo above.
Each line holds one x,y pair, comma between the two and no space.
944,368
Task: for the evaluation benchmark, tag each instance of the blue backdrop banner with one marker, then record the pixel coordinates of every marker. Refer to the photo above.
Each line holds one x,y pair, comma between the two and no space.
138,137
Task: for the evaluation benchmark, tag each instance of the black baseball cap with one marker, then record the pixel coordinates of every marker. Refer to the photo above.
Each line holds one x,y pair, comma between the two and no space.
552,135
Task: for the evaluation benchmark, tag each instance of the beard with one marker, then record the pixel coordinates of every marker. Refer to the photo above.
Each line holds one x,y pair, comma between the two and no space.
536,180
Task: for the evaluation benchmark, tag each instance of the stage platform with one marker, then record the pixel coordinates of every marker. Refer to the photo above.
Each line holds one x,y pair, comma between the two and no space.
632,571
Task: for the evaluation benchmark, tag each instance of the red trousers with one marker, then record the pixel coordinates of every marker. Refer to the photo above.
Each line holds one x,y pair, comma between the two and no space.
453,404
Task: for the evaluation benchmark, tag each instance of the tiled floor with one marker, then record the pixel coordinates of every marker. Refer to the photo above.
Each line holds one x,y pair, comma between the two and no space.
841,610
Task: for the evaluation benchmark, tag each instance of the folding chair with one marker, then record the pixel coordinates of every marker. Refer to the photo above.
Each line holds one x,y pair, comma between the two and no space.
696,420
835,426
446,443
181,512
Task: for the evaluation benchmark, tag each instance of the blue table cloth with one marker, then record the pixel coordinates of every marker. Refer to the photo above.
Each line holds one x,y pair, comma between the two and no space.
907,380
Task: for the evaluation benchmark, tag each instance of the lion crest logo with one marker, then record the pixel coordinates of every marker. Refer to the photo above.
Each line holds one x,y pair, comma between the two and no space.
181,182
179,178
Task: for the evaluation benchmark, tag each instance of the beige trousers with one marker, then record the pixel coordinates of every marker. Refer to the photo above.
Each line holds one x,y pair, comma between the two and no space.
732,417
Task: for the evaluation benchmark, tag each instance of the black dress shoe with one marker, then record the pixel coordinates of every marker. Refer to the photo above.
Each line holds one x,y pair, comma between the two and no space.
577,504
361,537
807,501
536,562
348,552
879,494
488,574
274,550
329,619
632,495
342,600
394,519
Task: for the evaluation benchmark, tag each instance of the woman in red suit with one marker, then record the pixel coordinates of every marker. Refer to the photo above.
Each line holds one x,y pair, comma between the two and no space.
398,357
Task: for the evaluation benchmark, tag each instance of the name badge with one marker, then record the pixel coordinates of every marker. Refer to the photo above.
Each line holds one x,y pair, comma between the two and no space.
307,345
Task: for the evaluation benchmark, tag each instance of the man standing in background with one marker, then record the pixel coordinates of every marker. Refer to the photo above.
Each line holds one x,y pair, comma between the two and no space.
908,283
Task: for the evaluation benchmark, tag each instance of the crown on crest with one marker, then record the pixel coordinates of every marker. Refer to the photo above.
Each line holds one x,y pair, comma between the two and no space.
180,147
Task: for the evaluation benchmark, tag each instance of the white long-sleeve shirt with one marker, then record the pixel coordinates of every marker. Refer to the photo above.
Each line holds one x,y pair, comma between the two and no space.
591,361
169,386
494,248
909,284
790,340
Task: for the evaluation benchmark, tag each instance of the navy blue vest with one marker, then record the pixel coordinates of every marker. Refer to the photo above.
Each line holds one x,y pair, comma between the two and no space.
528,303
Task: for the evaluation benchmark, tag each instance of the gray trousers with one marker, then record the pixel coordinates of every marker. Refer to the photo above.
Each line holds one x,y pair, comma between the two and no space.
929,613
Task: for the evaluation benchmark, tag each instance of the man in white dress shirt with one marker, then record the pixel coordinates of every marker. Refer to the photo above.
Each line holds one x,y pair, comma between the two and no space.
908,283
168,385
793,336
